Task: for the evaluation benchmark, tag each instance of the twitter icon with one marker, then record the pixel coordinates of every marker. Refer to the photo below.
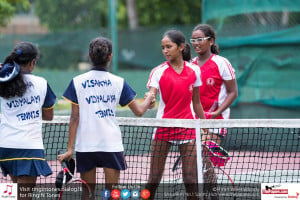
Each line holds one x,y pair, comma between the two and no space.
125,194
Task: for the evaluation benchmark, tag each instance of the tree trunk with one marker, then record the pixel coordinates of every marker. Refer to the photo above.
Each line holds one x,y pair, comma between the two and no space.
132,15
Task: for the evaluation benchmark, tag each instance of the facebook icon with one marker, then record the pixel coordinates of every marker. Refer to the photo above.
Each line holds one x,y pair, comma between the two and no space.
105,194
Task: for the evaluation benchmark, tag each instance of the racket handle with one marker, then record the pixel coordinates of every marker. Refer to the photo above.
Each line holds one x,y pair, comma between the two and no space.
64,164
60,151
214,106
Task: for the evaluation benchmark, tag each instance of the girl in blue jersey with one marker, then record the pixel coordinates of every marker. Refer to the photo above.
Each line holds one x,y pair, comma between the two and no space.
94,96
26,99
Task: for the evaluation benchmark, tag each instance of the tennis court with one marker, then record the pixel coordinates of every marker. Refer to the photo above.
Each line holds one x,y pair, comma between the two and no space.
261,151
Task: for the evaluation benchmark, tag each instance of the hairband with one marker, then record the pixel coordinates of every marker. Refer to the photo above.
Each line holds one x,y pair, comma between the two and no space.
9,71
19,51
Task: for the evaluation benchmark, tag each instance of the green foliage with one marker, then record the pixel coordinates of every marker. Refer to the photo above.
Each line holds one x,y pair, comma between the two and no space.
157,12
72,14
8,8
92,14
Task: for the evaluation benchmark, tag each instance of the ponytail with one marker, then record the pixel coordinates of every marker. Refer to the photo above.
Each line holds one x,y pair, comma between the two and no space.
11,58
214,49
186,53
13,88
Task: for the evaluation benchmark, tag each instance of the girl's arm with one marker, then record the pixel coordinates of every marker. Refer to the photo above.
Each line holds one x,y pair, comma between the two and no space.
140,109
73,124
47,114
232,93
197,104
153,91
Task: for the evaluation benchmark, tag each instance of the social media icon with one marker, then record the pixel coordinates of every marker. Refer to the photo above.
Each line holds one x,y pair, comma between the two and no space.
115,193
125,194
145,194
135,194
105,194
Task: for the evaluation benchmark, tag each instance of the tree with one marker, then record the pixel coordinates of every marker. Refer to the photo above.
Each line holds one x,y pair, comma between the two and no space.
9,7
157,12
76,14
72,14
91,14
132,15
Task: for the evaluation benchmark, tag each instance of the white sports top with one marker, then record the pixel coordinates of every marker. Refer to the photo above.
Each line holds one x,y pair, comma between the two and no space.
21,119
98,93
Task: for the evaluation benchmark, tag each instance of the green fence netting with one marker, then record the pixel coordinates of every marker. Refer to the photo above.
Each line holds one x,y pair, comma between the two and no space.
213,9
260,38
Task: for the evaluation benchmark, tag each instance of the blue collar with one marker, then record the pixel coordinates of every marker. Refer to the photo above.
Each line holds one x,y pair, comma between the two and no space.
99,69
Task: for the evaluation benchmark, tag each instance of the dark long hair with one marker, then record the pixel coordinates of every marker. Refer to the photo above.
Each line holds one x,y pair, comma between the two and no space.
22,54
178,38
208,32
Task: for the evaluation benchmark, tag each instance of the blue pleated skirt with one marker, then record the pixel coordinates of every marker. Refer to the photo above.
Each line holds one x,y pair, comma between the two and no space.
23,162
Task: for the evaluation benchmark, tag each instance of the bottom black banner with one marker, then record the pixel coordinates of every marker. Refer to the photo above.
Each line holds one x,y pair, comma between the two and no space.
142,191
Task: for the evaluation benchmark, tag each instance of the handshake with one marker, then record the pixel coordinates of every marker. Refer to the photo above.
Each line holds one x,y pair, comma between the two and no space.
149,96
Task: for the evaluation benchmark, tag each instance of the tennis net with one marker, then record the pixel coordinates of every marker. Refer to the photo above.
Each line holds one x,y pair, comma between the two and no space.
261,151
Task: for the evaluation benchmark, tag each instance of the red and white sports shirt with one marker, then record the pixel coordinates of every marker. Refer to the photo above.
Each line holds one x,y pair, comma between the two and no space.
175,91
213,73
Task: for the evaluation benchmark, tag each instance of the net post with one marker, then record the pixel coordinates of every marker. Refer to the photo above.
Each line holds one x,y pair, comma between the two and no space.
199,156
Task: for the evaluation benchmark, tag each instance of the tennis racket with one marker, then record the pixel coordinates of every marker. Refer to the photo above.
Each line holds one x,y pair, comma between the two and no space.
208,114
212,148
74,188
214,175
218,157
213,107
178,161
